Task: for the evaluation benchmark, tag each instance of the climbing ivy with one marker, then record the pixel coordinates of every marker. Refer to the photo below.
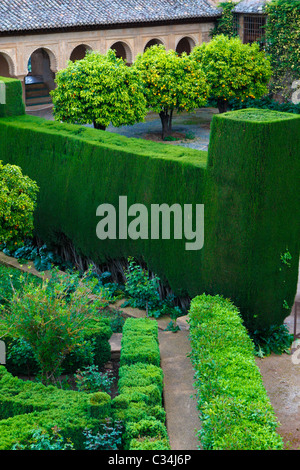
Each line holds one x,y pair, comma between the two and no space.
226,24
282,44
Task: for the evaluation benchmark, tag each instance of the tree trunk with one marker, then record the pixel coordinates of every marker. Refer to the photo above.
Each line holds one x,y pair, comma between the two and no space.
166,121
222,106
99,126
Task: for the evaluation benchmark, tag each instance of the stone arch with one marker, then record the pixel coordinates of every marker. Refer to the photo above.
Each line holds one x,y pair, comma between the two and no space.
7,67
123,51
185,44
79,52
53,62
153,42
42,63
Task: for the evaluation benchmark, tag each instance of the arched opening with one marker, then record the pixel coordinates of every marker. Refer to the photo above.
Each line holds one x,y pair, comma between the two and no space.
152,42
40,78
79,52
122,51
185,45
4,66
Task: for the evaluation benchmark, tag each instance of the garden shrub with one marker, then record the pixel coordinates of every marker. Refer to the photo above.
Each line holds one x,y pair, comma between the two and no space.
250,203
18,195
139,403
235,410
25,405
27,354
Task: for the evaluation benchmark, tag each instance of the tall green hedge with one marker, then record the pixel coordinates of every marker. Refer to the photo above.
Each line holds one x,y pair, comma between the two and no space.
248,187
13,105
252,211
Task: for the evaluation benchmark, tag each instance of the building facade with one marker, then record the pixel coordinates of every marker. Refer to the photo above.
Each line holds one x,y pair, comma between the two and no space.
39,37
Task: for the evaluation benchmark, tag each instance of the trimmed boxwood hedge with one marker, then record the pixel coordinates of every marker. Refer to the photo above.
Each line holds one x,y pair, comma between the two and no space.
139,403
25,406
235,410
248,185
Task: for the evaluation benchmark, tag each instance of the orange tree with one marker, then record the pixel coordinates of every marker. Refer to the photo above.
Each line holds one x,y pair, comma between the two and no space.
99,89
233,69
17,204
171,82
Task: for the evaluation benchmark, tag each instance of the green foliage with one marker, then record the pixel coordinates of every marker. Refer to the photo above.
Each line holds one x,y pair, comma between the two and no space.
266,102
235,410
41,440
143,292
91,380
226,23
51,318
274,339
108,438
99,89
233,69
246,240
18,194
238,259
14,105
171,82
282,44
139,403
26,406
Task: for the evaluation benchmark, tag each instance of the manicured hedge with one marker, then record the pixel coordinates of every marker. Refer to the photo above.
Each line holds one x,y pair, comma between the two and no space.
139,403
253,199
235,410
14,105
248,187
25,405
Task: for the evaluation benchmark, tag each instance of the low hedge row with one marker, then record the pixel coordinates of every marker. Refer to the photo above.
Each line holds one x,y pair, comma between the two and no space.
235,410
26,405
139,403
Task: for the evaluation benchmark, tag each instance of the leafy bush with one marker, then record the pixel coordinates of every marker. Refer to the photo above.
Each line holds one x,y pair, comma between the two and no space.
275,338
233,69
109,437
99,89
235,410
41,440
143,292
91,380
18,194
52,319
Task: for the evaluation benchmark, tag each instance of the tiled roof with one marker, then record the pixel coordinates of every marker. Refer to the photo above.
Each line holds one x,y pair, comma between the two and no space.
250,6
25,15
